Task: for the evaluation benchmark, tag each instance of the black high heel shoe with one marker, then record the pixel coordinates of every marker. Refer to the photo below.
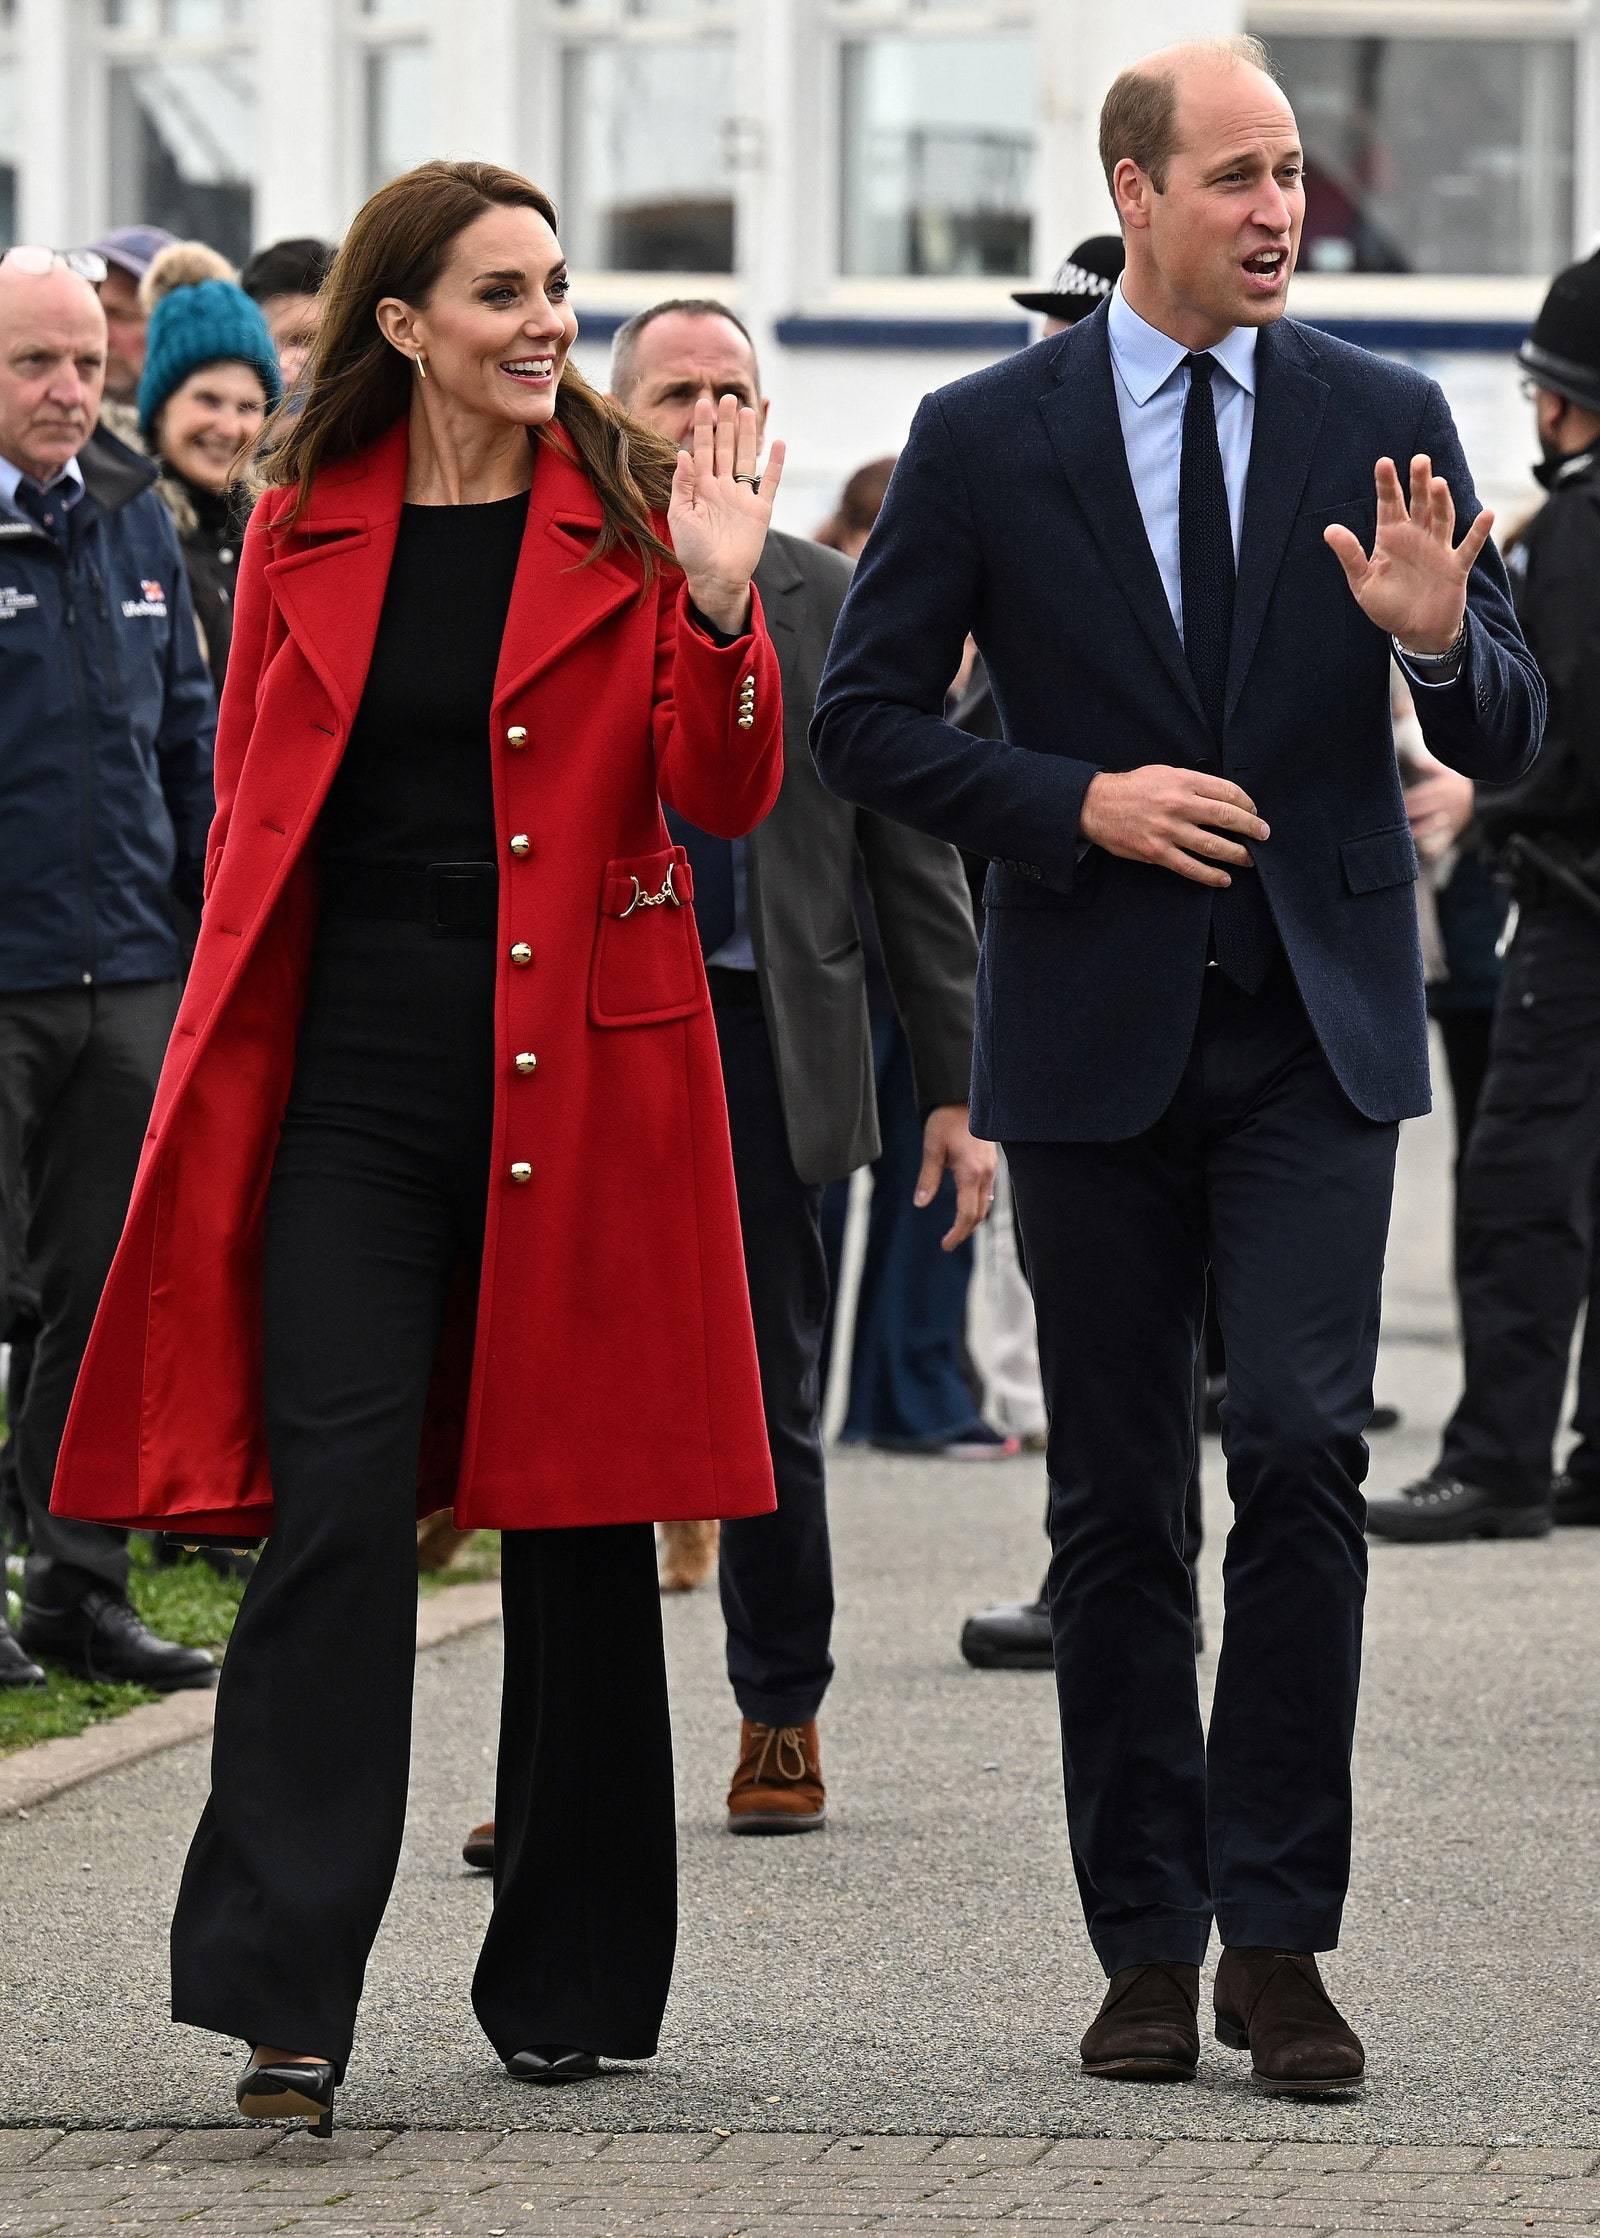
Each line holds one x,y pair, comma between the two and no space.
298,2090
552,2063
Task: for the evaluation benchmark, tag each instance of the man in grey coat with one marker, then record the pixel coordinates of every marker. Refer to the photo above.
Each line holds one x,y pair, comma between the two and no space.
784,956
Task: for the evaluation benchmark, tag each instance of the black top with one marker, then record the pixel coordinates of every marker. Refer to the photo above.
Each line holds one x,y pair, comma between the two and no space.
415,784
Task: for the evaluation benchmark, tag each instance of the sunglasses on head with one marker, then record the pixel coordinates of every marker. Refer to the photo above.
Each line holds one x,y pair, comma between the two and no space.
87,263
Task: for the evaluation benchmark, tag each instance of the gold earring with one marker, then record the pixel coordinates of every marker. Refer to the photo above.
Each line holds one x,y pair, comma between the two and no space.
422,366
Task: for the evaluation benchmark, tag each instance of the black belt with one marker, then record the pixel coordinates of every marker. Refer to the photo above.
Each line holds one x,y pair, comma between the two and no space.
446,897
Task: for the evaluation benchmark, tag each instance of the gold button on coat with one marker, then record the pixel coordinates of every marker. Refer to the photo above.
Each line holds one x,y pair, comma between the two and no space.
521,1171
521,844
522,953
526,1061
516,735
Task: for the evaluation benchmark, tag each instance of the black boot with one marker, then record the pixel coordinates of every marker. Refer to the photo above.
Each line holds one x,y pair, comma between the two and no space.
1440,1509
1013,1637
100,1636
1575,1499
17,1669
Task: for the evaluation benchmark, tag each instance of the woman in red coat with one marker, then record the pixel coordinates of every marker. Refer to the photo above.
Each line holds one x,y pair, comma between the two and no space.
437,1203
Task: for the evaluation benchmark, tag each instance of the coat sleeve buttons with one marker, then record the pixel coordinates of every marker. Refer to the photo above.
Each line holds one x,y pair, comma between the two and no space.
516,735
521,954
521,1172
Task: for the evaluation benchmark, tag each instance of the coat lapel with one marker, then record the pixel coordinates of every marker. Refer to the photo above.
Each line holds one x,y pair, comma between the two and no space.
330,579
559,594
1080,413
1290,403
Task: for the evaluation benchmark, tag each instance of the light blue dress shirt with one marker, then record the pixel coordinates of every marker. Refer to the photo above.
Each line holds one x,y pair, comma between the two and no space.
1152,388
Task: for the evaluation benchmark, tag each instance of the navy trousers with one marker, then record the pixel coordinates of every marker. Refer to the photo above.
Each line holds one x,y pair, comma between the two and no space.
1262,1167
776,1571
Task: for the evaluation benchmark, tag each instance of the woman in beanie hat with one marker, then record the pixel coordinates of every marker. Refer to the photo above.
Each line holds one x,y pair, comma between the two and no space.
210,378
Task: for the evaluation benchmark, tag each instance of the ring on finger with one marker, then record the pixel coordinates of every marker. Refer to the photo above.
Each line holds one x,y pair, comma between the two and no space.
754,480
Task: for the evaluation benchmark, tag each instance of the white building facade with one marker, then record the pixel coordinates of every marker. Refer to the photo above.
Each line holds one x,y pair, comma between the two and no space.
864,180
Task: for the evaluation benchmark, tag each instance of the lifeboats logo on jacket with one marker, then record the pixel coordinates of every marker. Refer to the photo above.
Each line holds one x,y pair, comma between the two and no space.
14,601
152,602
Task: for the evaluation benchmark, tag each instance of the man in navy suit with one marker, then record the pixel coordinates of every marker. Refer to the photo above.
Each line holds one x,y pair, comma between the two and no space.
1180,539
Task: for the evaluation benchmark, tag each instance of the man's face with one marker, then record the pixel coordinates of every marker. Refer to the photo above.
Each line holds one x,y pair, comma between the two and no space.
52,368
292,321
125,327
683,356
1215,249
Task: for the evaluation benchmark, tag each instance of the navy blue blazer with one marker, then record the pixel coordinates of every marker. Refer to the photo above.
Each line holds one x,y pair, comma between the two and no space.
1012,514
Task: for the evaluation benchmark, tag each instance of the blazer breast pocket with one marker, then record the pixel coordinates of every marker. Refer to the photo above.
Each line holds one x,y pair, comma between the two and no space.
647,966
1382,858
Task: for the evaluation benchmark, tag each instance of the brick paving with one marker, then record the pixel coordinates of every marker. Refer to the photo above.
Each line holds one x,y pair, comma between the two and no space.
559,2184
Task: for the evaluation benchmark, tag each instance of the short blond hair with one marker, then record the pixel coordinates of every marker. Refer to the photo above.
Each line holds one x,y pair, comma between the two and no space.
1139,116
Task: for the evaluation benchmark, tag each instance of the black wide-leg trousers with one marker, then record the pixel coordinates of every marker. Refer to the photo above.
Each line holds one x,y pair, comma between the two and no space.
375,1207
1263,1168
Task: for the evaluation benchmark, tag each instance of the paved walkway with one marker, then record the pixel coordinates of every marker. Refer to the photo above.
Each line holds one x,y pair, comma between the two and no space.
528,2185
917,1972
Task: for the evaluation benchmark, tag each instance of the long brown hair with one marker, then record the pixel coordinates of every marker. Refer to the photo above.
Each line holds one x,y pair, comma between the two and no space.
356,385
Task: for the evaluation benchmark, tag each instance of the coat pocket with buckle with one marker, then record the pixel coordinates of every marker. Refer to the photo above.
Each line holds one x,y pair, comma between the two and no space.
647,966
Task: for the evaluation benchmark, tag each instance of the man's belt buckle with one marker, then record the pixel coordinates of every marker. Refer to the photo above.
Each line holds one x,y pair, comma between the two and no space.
642,900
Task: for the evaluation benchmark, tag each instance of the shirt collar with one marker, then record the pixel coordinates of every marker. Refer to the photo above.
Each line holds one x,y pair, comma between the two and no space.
1146,359
69,479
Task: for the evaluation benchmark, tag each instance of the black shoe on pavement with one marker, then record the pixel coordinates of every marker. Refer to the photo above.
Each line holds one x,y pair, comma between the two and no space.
1016,1637
1575,1499
102,1637
1013,1637
17,1668
1437,1510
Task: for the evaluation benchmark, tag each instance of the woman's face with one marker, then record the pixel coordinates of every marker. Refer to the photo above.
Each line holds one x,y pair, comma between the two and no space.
209,421
497,327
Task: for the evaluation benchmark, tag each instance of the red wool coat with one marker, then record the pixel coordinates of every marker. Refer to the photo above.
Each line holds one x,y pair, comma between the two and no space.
610,1373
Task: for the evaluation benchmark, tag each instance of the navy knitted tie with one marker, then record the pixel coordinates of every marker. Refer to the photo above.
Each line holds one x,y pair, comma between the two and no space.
1242,934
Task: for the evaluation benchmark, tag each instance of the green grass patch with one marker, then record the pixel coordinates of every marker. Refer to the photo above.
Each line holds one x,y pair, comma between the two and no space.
187,1602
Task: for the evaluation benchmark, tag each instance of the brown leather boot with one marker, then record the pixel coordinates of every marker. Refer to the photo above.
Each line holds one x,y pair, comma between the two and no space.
688,1553
1272,2004
478,1848
777,1788
1147,2029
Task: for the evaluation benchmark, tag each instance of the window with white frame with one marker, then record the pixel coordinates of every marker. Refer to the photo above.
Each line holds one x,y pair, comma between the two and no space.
936,105
1434,154
647,118
181,116
396,66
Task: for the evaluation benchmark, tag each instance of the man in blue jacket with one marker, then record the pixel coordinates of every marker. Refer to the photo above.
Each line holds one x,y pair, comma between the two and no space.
106,722
1200,1001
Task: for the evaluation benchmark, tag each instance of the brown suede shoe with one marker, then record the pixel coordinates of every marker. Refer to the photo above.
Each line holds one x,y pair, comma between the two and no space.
778,1787
1272,2004
478,1848
1147,2029
686,1553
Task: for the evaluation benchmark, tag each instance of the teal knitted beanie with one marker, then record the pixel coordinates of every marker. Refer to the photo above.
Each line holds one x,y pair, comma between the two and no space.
202,324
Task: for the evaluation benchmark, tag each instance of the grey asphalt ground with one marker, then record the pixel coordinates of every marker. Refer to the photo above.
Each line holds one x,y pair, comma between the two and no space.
919,1968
